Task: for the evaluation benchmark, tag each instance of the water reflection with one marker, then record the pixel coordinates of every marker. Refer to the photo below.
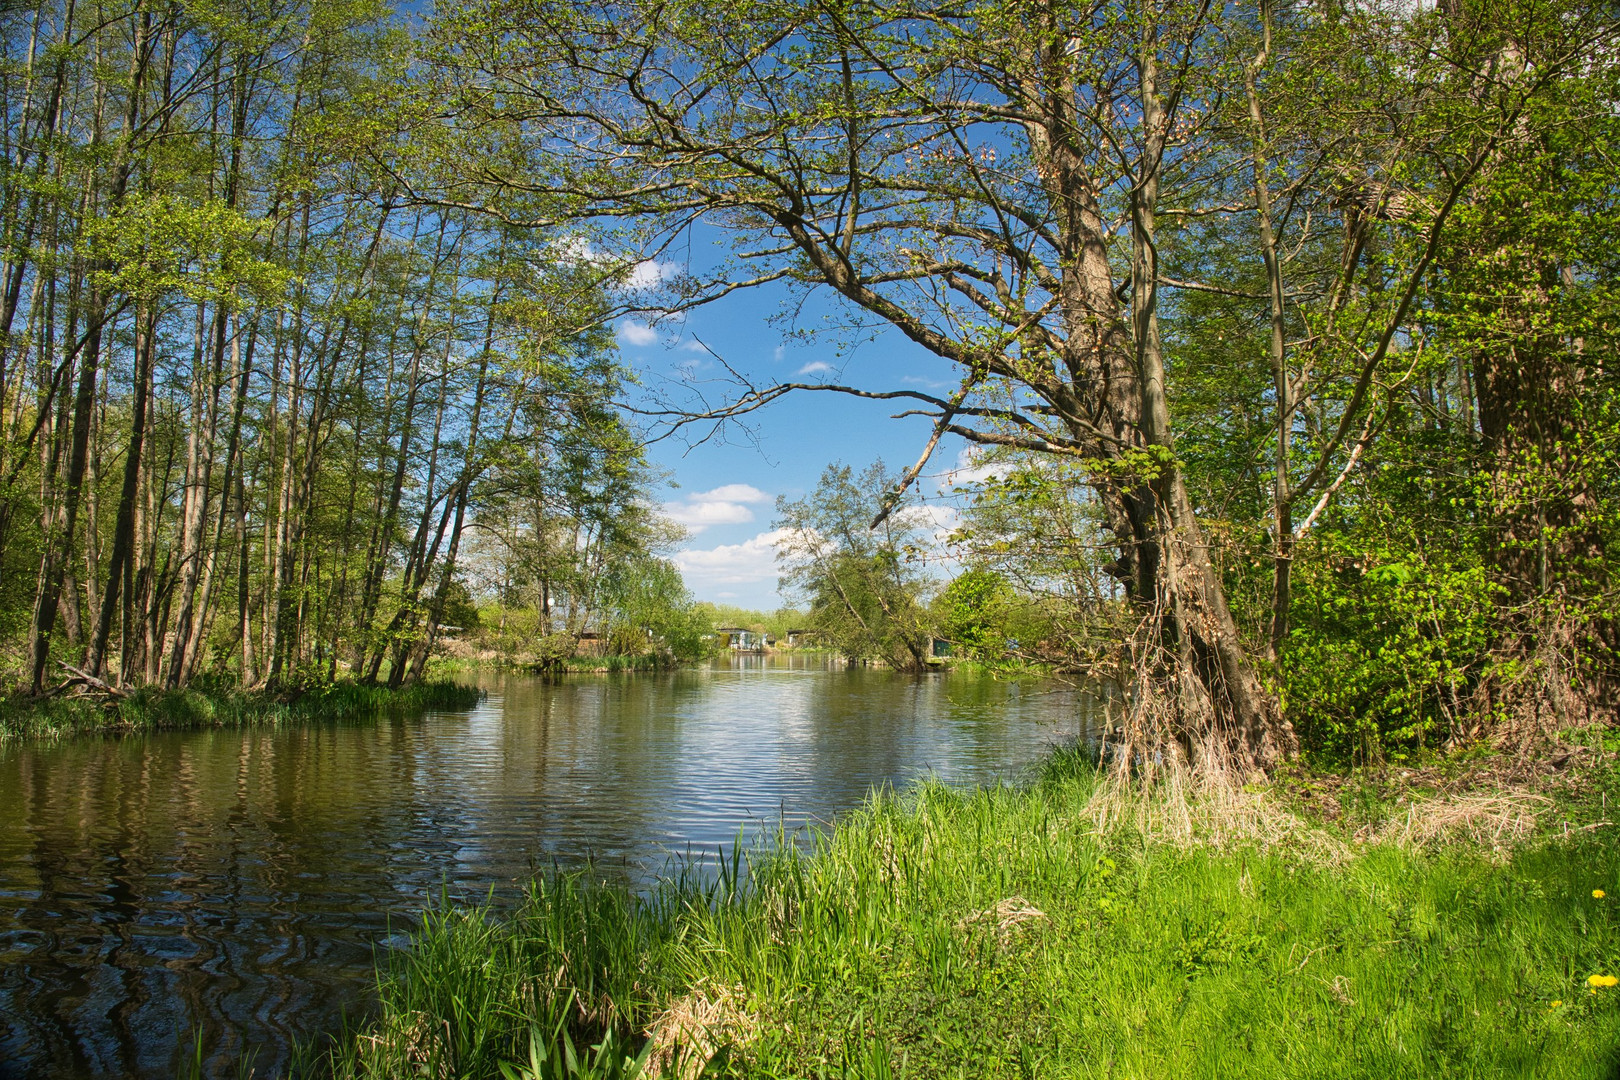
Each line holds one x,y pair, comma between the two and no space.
237,883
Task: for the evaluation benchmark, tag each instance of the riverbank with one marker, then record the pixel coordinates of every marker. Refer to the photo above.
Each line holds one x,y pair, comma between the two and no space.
568,665
1062,928
155,709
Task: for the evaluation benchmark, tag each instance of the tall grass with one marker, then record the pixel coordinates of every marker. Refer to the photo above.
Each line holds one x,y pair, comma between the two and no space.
999,932
564,665
155,709
616,664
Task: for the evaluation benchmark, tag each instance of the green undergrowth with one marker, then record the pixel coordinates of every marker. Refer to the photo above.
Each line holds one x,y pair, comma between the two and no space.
154,709
615,664
1001,932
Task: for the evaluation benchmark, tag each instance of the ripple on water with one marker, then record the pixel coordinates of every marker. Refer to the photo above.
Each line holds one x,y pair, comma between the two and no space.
240,884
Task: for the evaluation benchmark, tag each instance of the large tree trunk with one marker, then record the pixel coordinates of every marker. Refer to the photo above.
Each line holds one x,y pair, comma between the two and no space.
1193,682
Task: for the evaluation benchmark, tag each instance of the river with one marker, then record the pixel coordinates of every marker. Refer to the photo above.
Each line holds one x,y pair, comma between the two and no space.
234,888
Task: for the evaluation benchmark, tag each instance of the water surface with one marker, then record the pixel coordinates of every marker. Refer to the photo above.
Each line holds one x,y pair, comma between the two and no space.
238,885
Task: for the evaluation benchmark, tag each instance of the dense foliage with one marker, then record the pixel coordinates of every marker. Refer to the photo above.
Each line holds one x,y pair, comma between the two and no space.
254,397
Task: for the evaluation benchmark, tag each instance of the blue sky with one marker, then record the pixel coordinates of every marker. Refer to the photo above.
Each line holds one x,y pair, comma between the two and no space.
728,486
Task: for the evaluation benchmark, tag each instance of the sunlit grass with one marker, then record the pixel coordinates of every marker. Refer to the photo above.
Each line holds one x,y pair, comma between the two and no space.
998,932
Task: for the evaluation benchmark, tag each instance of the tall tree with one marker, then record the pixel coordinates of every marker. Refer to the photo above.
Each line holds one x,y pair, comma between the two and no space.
864,586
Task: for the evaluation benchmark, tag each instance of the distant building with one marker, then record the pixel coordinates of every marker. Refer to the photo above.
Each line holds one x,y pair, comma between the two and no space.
799,639
741,639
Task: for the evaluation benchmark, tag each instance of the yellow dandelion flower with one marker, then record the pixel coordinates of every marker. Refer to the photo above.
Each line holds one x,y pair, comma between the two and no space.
1598,894
1595,981
1557,1003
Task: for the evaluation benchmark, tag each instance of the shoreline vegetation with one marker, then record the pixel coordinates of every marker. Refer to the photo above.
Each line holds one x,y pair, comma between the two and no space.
151,708
1455,919
635,663
568,665
116,710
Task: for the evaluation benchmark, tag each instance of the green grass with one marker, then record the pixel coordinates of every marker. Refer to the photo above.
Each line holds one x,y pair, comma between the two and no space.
569,665
154,709
617,664
881,953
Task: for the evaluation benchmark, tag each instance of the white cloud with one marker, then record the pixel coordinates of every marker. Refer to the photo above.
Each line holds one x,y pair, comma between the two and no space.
727,504
938,518
649,273
781,351
646,274
815,367
579,251
736,493
747,563
637,333
699,516
969,469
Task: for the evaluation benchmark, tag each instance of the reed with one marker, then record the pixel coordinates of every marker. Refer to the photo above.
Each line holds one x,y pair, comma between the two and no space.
155,709
616,664
1029,931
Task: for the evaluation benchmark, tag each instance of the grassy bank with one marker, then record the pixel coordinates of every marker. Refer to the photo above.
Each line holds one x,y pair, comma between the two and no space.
598,665
568,665
154,709
1058,929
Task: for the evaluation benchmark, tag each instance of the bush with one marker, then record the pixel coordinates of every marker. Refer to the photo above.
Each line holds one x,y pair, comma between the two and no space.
1385,647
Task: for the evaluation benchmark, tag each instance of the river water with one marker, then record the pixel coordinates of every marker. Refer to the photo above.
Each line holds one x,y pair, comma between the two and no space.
235,888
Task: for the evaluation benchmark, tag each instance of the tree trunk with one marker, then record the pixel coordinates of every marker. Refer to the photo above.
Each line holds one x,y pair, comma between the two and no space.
59,545
124,527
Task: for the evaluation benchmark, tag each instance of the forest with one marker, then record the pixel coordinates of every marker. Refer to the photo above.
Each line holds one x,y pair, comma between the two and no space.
255,399
1286,330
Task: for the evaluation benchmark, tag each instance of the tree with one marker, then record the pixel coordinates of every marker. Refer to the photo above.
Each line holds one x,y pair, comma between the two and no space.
565,511
1031,538
649,609
863,585
250,395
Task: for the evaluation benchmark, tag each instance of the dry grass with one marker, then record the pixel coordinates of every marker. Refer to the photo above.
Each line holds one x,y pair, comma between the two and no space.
707,1019
1497,806
412,1044
1179,811
1499,821
1005,917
